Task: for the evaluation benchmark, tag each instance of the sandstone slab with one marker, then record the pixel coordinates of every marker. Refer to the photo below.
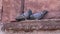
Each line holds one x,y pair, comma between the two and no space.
0,9
30,25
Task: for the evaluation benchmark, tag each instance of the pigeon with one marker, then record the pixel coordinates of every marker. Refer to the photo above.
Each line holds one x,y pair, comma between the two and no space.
27,14
39,15
24,16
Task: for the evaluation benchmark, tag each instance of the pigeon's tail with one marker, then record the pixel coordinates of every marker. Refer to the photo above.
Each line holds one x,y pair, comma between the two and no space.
45,12
20,17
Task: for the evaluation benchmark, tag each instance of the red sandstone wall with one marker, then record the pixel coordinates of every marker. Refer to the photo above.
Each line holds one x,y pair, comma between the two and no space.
0,9
53,6
12,7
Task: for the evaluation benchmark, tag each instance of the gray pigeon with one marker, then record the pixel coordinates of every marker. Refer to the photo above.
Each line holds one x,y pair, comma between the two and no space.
39,15
24,16
27,14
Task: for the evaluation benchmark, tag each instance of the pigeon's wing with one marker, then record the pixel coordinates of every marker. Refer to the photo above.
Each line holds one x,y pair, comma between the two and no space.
37,15
32,17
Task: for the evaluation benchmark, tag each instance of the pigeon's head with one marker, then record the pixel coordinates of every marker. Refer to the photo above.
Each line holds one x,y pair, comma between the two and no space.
30,11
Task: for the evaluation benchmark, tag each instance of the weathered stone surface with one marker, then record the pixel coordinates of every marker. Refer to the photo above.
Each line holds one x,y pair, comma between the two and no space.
10,9
30,25
0,9
53,6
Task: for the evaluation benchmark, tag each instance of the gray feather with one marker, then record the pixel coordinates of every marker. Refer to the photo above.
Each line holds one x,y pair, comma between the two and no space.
39,15
25,15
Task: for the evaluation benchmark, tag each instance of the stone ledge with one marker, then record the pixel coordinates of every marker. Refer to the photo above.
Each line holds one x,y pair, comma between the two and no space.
30,25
